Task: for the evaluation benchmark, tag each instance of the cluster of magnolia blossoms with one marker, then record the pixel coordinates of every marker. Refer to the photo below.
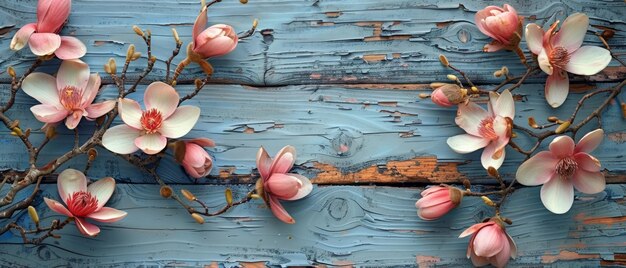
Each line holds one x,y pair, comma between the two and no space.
564,167
70,96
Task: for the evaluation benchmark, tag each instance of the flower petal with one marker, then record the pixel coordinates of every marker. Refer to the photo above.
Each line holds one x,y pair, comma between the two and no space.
513,246
57,207
86,228
99,109
534,38
572,32
282,185
151,143
505,105
71,48
162,97
42,44
488,157
73,73
466,143
47,113
588,60
180,122
91,90
590,141
107,214
279,211
204,142
587,162
263,163
284,160
557,195
199,25
557,88
494,46
120,139
305,187
102,189
43,88
52,14
474,228
478,261
588,182
502,258
70,181
544,62
489,241
130,112
562,146
537,170
469,116
20,39
72,120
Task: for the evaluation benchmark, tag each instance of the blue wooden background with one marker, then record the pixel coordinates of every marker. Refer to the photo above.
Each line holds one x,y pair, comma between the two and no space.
320,74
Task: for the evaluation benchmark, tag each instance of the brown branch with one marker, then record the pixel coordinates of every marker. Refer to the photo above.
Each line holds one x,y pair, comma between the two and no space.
16,84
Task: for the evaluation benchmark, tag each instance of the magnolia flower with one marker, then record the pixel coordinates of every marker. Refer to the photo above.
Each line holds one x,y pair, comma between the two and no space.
217,40
437,201
69,96
501,24
561,52
489,129
490,244
449,95
85,201
196,161
564,167
43,38
276,184
149,129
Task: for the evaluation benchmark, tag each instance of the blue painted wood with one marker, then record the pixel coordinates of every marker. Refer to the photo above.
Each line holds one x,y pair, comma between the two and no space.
371,226
316,120
313,42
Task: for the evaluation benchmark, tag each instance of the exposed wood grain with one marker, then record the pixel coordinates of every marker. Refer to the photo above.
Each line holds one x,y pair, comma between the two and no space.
361,226
313,42
344,134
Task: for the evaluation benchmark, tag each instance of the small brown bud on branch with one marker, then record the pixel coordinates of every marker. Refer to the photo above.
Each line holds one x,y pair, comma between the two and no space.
188,195
424,96
11,71
51,132
138,30
467,184
435,85
228,193
198,218
553,119
92,153
243,1
111,67
176,38
32,212
497,73
130,52
474,90
166,191
488,201
562,127
444,60
532,123
452,77
135,56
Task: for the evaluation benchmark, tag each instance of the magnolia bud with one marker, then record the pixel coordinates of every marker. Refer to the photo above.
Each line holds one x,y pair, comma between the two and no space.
497,73
51,132
166,191
467,184
198,83
423,96
11,71
474,90
135,56
176,38
456,195
188,195
152,59
130,52
112,66
243,1
92,154
435,85
229,196
488,201
255,196
493,172
452,77
138,30
532,123
505,70
448,95
562,127
32,212
444,61
199,219
553,119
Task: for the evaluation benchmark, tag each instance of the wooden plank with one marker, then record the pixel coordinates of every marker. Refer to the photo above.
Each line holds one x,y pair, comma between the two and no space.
344,134
360,226
314,42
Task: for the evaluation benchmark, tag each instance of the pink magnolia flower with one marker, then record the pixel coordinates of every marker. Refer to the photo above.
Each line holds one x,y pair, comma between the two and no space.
197,162
149,129
561,52
276,184
564,167
485,129
501,24
437,201
43,37
85,201
490,244
449,95
217,40
69,96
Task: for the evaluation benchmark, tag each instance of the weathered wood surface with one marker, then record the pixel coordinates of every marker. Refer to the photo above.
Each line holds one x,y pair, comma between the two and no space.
361,226
313,42
320,75
391,135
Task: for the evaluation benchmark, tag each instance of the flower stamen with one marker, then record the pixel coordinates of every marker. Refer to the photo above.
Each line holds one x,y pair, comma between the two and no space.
151,120
566,167
559,57
82,203
71,98
486,129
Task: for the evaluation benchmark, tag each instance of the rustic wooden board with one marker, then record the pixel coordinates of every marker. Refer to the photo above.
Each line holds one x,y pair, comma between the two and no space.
313,42
361,226
392,135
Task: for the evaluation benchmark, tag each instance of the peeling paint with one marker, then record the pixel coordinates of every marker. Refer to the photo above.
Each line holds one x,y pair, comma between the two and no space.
427,261
565,255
